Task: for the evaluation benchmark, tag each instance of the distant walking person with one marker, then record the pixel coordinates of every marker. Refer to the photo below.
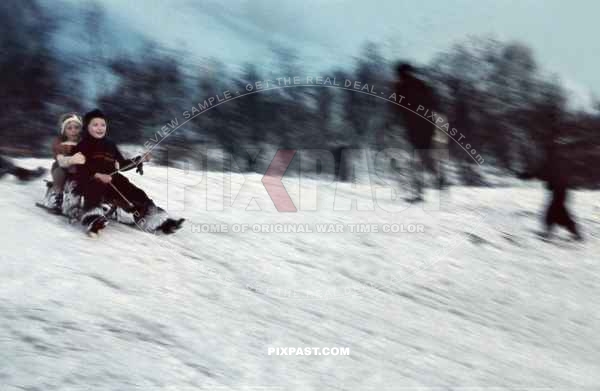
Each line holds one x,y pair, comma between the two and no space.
420,131
556,176
555,172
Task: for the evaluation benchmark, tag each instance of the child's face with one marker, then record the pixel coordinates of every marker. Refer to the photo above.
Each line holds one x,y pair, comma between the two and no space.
72,130
97,127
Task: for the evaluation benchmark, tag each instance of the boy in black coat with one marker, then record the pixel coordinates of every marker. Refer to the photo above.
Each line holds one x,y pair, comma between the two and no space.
99,180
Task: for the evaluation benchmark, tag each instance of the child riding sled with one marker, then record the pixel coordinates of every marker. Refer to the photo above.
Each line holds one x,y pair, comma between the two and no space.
99,180
65,160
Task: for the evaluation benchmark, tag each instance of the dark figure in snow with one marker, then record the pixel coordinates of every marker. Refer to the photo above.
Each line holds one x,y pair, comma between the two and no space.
554,171
99,180
420,131
23,174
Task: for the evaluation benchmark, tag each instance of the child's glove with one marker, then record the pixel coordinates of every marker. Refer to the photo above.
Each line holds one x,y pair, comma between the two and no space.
139,162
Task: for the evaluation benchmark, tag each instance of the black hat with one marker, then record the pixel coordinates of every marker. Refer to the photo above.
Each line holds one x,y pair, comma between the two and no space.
403,68
89,116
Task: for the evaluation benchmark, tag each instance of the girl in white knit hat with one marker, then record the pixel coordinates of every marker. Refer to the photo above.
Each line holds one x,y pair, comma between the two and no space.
64,164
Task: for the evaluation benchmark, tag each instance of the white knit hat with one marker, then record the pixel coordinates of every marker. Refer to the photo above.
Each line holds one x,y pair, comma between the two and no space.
73,118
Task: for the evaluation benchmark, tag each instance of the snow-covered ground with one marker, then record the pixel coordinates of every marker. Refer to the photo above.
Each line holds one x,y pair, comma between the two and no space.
476,301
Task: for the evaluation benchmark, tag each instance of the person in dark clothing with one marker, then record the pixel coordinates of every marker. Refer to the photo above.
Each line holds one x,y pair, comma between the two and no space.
555,172
99,179
23,174
556,175
420,131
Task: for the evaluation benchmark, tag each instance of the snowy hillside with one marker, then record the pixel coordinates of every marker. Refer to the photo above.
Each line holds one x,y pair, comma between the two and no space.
475,301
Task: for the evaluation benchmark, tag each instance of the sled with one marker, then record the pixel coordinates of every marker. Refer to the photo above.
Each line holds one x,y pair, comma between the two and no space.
49,210
115,213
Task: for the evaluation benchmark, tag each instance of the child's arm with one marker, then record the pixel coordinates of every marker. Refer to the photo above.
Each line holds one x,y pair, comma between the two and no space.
56,147
104,178
67,161
59,149
129,164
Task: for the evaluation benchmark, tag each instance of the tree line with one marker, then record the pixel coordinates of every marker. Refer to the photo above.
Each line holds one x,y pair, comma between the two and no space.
495,92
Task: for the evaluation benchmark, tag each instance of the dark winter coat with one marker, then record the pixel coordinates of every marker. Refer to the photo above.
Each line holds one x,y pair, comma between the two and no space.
416,92
101,156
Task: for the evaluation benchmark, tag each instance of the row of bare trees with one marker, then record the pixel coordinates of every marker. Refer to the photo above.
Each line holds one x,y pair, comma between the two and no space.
494,92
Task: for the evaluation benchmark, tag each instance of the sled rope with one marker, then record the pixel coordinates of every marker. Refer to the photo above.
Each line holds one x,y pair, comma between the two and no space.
130,165
121,194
